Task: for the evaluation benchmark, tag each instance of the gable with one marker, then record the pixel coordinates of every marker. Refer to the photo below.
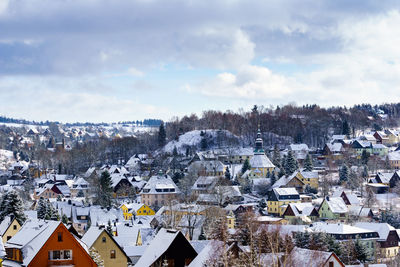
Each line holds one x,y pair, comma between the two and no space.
109,244
80,256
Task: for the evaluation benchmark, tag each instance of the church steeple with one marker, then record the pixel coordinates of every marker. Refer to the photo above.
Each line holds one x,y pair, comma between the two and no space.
259,149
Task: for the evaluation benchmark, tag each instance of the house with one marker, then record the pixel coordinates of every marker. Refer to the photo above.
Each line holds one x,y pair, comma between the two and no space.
279,197
109,250
394,159
8,228
388,238
386,179
290,181
350,199
139,209
309,178
260,164
50,190
80,187
204,184
207,168
300,151
343,233
46,243
333,150
300,210
333,208
301,257
373,149
159,190
360,212
170,247
221,195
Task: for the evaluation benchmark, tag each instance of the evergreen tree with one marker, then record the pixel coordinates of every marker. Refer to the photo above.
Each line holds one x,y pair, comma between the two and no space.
361,251
175,152
227,174
204,143
387,163
282,169
276,157
104,192
41,208
246,166
273,178
364,157
344,173
262,204
161,135
364,173
11,204
64,219
345,128
354,183
291,164
308,165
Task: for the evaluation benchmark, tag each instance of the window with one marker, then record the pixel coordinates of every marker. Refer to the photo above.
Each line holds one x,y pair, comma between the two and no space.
59,237
60,254
112,254
15,227
331,264
104,240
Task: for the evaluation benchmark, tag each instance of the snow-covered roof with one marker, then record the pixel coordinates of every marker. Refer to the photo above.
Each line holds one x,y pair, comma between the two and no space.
383,229
31,238
301,209
5,224
160,184
158,246
261,161
91,235
286,191
206,253
99,216
299,147
337,205
338,228
306,257
284,180
394,155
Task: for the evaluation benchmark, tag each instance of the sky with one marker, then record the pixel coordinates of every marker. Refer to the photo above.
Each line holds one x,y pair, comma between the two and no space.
118,60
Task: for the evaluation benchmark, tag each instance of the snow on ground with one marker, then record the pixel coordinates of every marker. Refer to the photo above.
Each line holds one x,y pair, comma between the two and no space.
193,138
6,159
26,126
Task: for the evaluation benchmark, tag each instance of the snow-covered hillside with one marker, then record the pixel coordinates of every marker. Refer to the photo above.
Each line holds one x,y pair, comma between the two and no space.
215,138
6,159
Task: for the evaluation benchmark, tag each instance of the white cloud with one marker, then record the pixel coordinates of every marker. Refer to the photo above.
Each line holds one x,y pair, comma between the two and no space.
70,99
366,69
250,82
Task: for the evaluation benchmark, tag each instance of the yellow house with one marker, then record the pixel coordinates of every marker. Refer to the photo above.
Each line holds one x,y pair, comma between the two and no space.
8,228
231,220
309,178
139,209
109,250
279,198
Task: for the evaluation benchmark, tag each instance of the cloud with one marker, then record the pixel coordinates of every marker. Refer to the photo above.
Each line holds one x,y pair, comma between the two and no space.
63,99
250,82
365,69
